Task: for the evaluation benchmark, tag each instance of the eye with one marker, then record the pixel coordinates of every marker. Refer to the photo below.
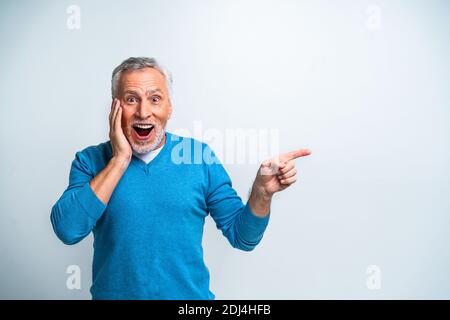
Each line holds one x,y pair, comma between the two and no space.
156,99
131,99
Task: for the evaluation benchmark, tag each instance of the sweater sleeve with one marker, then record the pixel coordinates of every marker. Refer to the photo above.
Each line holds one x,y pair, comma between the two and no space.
243,229
76,212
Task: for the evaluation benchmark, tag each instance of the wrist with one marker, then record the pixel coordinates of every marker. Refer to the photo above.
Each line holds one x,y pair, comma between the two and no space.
261,194
120,162
260,202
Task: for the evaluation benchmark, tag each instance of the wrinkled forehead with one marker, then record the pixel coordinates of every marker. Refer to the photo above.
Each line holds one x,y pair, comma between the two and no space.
144,81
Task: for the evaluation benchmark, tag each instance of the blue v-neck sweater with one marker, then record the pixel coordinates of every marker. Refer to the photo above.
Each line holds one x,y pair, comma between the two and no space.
148,238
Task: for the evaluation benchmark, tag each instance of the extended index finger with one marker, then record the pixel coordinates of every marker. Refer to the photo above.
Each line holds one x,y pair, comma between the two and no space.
295,154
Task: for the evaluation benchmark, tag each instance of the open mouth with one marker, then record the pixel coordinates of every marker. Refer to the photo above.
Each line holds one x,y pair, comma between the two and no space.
143,131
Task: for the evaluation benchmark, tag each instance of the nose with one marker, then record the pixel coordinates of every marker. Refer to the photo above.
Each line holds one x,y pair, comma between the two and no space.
144,109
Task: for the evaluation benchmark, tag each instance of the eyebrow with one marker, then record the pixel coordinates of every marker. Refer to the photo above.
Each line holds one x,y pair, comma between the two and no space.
154,90
151,91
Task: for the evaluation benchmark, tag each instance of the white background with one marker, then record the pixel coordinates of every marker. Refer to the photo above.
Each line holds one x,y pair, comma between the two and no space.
369,97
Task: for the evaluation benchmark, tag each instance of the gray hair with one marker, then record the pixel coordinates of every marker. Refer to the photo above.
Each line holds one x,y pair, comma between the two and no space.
138,63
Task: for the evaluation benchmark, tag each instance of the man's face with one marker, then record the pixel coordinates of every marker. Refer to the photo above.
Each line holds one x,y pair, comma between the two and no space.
146,108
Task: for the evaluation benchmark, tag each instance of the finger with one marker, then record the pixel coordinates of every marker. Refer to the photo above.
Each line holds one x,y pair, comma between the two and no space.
114,115
266,168
289,181
295,154
266,163
111,112
288,166
118,120
113,103
271,167
288,174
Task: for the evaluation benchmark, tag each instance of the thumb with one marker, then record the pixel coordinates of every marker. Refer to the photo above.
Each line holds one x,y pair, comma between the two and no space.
270,167
266,163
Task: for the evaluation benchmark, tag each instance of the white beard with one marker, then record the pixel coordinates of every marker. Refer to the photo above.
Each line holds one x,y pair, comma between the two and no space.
145,147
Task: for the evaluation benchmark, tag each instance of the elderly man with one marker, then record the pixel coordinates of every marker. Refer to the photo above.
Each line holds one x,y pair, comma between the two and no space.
146,210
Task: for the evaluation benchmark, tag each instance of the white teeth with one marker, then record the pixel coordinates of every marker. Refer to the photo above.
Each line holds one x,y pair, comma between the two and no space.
143,126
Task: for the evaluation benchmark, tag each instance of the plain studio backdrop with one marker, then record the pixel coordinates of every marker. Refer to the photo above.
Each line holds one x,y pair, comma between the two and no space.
363,84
